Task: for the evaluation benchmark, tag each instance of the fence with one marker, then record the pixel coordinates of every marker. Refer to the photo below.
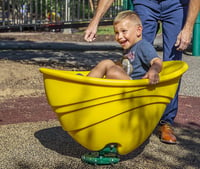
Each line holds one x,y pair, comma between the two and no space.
19,15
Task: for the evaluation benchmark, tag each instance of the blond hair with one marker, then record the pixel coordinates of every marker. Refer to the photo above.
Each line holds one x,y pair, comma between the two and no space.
132,16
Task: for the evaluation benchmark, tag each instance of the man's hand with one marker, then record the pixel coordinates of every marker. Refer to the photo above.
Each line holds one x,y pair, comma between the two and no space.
185,36
90,33
183,40
103,6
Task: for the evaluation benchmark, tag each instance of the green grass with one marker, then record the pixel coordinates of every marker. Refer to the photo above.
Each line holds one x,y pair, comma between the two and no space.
102,30
108,30
105,30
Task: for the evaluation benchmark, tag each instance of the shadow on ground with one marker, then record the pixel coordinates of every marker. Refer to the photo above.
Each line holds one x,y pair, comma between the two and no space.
58,140
69,59
152,152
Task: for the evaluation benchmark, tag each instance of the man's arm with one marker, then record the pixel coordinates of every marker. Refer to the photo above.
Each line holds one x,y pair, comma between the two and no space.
103,6
184,37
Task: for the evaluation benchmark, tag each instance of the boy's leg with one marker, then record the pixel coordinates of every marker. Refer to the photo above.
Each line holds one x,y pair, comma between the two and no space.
108,69
117,72
99,71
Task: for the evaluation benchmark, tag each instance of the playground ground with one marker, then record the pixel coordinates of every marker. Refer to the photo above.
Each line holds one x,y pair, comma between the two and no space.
30,135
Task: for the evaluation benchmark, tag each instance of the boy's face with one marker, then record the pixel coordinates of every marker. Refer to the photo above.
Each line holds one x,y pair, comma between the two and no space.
127,33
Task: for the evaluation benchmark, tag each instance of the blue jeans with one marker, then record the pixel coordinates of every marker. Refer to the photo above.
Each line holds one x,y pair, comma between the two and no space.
172,14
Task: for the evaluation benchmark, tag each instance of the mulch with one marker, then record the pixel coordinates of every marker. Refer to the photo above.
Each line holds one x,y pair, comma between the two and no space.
33,109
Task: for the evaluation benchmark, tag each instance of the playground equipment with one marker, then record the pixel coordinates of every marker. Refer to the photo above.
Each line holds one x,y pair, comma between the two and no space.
128,5
110,117
196,38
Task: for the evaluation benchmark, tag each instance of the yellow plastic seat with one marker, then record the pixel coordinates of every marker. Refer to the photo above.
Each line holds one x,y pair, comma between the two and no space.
97,112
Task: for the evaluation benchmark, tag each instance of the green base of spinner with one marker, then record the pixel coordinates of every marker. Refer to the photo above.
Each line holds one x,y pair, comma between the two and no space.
106,156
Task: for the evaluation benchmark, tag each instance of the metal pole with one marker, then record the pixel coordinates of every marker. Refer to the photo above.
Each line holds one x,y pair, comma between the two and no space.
67,16
67,10
196,38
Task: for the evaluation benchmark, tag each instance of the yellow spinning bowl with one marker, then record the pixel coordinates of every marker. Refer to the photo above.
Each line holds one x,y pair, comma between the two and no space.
97,112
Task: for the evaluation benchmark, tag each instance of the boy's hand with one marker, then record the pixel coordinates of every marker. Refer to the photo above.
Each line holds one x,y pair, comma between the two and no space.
153,73
153,76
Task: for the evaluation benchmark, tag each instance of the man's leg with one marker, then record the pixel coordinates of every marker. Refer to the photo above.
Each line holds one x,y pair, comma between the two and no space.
176,12
149,14
173,15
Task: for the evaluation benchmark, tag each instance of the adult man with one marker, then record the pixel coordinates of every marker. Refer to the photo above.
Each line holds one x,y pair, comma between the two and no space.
177,33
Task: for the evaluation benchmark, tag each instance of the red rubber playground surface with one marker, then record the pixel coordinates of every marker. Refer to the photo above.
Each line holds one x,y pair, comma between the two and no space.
35,109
